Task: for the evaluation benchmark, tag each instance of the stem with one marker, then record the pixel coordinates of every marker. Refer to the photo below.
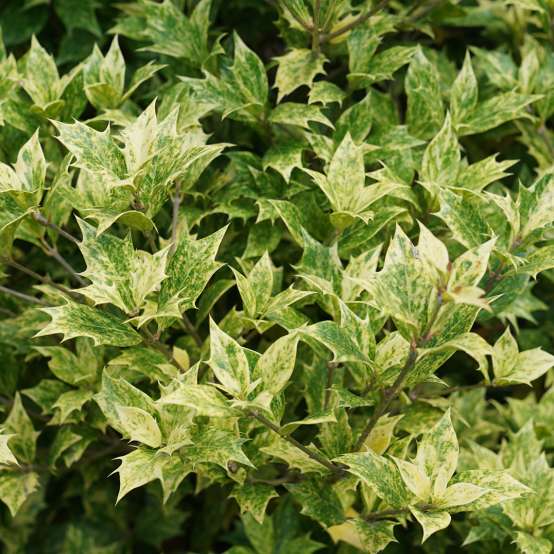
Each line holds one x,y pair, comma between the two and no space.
21,296
387,397
175,216
331,366
315,32
191,329
39,218
313,454
399,381
43,279
360,19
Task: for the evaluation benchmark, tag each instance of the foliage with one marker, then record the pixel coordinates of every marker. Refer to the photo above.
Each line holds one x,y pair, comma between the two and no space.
277,277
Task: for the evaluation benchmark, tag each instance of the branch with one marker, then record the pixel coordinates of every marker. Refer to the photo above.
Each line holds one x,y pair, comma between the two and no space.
175,216
54,253
387,397
191,330
349,26
43,279
313,454
315,31
21,296
39,218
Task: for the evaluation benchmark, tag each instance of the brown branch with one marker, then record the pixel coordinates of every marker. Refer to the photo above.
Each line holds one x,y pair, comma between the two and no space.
313,454
191,330
175,216
388,396
39,218
21,296
43,279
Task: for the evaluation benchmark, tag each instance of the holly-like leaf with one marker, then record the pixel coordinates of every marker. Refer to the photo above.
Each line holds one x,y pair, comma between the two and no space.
296,68
77,320
119,274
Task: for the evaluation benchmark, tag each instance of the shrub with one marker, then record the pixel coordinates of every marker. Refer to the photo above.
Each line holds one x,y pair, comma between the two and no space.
274,265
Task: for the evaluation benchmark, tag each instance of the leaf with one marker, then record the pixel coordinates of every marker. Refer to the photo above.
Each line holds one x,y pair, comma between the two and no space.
228,362
512,366
256,289
296,68
425,110
253,498
464,217
16,487
431,522
249,73
6,455
437,453
188,271
464,93
94,151
368,536
41,80
528,544
120,275
460,494
404,289
77,320
497,110
276,364
203,399
441,159
415,478
118,393
215,446
293,113
480,174
139,425
537,204
284,158
138,468
24,437
380,474
167,29
322,505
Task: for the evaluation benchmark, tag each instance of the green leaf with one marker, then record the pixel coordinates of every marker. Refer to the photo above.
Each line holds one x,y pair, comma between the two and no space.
253,498
536,204
512,366
463,94
41,80
368,536
380,474
497,110
229,362
188,271
441,159
293,113
296,68
249,73
528,544
118,393
464,217
437,453
16,487
425,110
204,399
321,504
138,468
119,274
6,455
24,437
431,522
94,151
276,364
139,425
77,320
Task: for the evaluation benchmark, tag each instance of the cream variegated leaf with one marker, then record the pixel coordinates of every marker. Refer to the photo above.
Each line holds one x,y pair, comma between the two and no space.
119,274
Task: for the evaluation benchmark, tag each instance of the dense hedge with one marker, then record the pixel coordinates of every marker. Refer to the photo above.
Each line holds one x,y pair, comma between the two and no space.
269,276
